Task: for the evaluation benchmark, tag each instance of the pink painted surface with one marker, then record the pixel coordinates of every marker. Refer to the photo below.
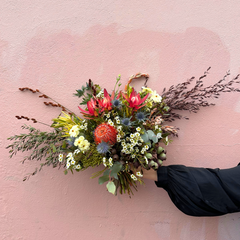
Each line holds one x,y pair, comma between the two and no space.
56,46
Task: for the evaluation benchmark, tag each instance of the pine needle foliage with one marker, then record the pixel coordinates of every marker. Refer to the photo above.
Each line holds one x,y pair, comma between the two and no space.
91,158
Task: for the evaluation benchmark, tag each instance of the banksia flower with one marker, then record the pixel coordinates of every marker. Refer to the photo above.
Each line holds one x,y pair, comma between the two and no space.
105,133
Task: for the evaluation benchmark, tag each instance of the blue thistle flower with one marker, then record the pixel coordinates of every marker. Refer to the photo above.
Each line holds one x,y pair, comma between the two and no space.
117,103
126,122
141,116
103,147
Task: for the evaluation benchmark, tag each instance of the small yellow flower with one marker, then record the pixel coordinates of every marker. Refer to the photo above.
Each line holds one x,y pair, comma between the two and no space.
156,97
147,90
74,131
78,141
84,145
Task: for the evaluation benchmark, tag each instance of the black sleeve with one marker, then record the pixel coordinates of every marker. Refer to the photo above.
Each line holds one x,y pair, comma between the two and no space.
201,191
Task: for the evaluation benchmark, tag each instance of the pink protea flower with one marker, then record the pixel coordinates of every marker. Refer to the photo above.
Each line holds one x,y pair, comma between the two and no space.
92,106
135,101
106,102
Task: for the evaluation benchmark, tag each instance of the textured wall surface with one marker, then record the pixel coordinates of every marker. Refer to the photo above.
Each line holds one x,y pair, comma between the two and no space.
56,46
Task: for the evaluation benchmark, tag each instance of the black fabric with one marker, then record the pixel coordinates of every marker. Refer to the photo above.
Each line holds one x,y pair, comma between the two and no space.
201,191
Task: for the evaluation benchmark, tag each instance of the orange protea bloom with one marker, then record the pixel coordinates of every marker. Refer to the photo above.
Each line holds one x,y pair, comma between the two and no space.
105,133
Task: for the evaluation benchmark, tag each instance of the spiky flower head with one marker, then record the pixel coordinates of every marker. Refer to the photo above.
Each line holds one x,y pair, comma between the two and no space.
117,103
103,147
105,133
141,116
126,122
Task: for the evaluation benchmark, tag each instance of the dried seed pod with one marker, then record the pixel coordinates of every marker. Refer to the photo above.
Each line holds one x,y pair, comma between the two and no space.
114,151
136,164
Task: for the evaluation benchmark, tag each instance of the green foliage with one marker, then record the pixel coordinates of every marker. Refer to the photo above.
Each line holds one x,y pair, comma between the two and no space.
111,175
86,99
126,182
117,84
80,92
91,158
86,96
111,187
150,135
42,145
115,169
103,179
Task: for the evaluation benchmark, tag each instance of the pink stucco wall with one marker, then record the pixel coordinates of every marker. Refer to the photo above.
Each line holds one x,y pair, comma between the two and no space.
56,46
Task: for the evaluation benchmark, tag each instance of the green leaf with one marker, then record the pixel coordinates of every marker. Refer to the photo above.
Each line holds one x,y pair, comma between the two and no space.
64,144
155,139
53,148
111,187
115,175
145,137
159,135
103,179
149,144
66,172
166,108
106,173
150,134
117,166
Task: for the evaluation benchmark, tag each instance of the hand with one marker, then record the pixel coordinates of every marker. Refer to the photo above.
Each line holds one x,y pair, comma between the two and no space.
150,174
147,174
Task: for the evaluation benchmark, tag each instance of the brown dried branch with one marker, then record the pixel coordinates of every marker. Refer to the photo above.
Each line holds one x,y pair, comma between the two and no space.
32,119
53,104
171,130
180,98
23,117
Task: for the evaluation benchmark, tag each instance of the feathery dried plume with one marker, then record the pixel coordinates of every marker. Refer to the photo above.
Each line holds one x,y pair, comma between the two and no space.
180,98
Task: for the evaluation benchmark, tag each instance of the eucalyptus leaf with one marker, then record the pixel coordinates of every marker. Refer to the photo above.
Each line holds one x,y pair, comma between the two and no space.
111,187
117,166
155,139
145,137
103,179
106,173
159,135
115,175
151,134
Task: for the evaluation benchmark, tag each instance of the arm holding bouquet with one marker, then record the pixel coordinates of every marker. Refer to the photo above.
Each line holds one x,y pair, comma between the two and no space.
199,191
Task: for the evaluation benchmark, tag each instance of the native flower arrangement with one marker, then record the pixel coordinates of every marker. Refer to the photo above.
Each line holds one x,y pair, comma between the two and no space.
123,130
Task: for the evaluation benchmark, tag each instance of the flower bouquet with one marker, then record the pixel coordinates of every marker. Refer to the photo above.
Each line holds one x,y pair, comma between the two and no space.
124,131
